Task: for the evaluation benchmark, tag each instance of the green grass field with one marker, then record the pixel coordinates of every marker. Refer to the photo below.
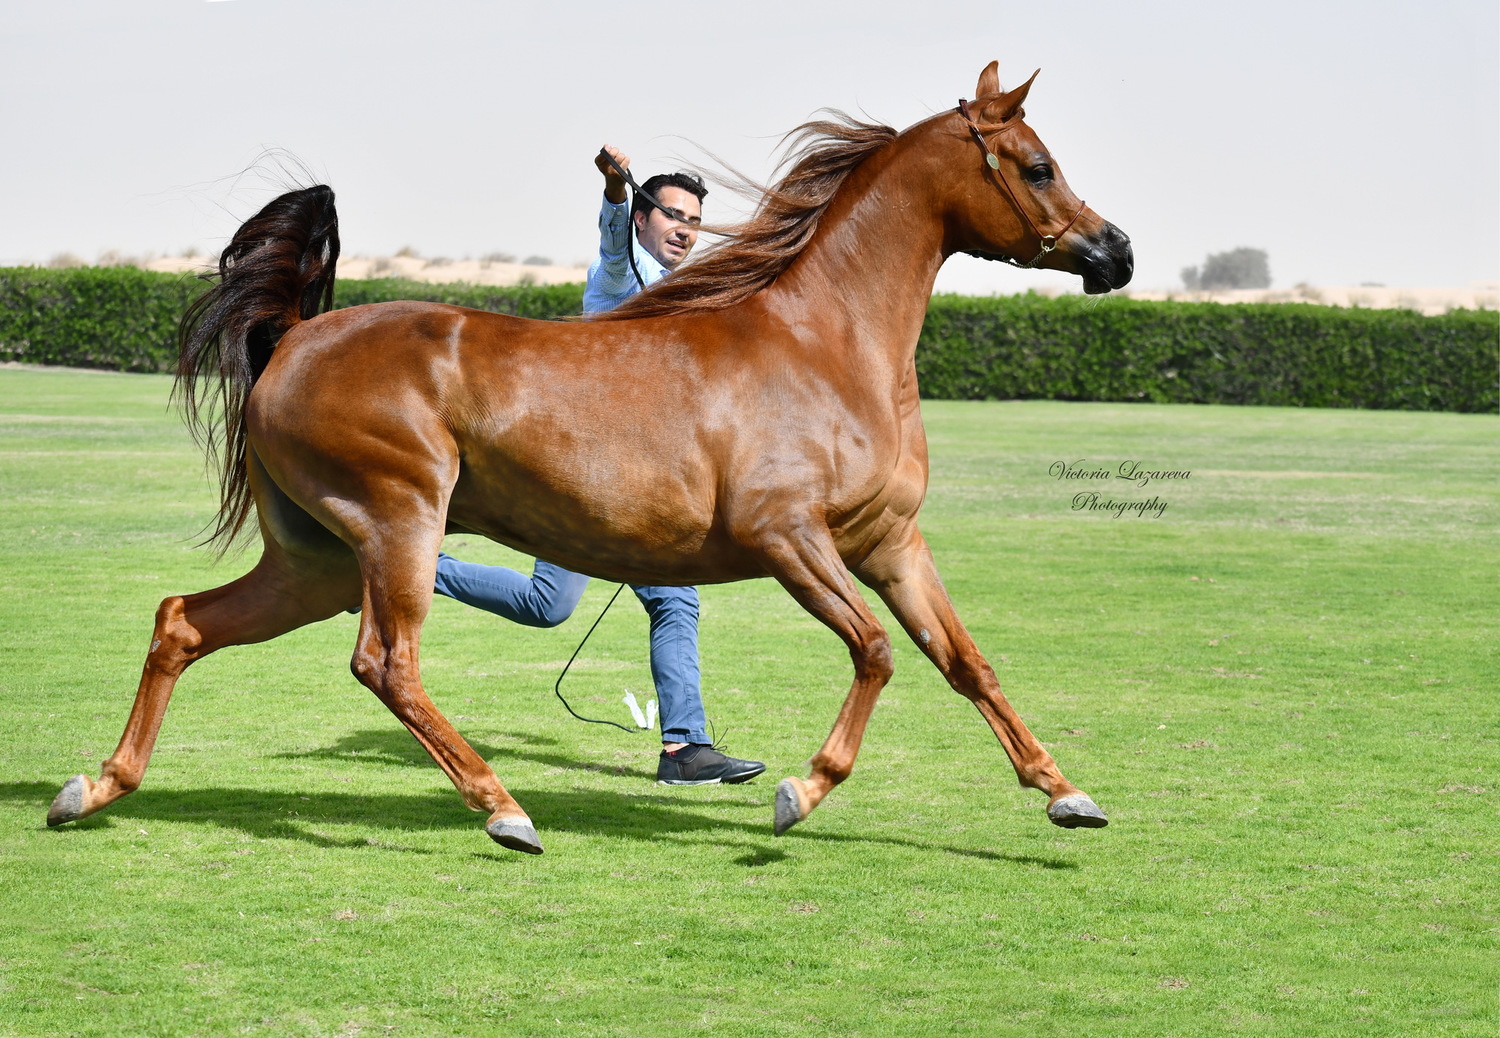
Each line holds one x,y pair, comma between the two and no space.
1283,691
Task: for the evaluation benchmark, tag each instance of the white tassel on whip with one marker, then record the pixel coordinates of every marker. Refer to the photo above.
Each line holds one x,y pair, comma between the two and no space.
642,720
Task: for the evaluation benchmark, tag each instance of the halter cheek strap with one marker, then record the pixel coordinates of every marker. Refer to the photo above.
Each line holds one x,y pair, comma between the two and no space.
1048,241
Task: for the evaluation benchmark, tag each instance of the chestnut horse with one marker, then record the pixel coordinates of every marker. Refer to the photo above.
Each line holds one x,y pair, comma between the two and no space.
754,414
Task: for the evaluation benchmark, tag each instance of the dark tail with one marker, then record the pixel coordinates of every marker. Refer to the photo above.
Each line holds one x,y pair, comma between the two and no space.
276,271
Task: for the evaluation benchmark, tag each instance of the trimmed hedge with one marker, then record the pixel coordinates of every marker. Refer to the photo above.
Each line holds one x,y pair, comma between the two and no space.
126,319
1015,347
543,302
1287,354
93,317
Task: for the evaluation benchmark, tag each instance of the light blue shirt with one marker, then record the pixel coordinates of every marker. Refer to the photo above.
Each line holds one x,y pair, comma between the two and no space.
611,281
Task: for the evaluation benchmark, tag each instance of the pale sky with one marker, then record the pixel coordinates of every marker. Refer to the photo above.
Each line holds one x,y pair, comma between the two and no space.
1354,142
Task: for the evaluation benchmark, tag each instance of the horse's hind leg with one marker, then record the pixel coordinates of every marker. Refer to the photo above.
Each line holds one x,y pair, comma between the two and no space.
281,593
901,571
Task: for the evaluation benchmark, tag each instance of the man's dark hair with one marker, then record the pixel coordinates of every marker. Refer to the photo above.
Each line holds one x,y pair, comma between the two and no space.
689,182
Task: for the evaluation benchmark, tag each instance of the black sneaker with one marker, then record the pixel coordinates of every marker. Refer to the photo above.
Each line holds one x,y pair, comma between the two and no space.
699,764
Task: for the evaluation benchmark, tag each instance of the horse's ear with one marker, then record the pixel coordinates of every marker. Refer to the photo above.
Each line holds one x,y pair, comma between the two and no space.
1011,103
989,80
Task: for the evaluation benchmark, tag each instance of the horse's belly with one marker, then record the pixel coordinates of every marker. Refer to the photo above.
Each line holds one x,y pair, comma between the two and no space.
611,516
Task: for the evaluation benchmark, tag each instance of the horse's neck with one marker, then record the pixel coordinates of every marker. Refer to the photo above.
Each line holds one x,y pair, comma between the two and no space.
866,276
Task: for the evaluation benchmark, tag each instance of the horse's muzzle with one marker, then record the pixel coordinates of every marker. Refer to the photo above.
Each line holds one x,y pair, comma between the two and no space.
1105,259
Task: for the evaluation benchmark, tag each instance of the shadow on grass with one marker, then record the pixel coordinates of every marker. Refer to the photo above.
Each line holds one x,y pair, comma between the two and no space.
275,815
278,815
396,746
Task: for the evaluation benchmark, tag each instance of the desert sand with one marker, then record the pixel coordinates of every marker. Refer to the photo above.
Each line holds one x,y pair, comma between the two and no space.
414,268
1478,295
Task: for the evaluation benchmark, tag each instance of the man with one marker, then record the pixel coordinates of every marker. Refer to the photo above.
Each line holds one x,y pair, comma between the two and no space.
551,593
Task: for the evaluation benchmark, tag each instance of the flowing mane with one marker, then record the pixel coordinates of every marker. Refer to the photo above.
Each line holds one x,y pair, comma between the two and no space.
755,253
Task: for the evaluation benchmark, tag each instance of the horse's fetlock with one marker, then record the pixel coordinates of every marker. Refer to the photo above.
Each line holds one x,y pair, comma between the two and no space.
833,771
126,780
1039,774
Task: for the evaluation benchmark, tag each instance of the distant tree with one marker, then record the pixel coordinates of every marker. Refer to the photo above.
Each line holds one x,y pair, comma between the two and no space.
1238,268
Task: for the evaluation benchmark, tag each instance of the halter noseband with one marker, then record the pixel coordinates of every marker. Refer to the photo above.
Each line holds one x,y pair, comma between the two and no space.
1048,241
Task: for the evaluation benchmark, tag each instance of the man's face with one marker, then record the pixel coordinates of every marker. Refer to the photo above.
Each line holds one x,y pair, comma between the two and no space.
667,239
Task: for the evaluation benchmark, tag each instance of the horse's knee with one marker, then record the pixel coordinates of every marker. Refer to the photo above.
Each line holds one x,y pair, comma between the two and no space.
874,662
384,673
371,666
368,668
974,679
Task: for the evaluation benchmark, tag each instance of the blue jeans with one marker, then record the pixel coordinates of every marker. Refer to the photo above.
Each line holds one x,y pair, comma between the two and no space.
549,596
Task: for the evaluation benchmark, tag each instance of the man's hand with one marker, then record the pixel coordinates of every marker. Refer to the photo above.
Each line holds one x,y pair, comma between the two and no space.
614,184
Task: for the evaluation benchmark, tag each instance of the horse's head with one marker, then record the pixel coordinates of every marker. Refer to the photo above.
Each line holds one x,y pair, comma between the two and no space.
1011,203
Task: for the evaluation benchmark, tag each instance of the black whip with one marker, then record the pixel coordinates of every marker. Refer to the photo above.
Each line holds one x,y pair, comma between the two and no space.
636,192
630,255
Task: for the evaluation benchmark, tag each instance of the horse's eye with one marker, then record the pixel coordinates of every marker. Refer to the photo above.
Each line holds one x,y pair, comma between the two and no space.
1040,175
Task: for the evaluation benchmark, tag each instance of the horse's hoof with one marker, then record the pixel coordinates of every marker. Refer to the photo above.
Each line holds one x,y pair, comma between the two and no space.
1076,811
68,805
517,834
788,805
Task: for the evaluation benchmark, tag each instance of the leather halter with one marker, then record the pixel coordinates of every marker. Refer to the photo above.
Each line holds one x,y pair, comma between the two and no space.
1048,241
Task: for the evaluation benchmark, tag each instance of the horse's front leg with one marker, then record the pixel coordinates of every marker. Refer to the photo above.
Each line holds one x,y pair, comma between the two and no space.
901,571
808,566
